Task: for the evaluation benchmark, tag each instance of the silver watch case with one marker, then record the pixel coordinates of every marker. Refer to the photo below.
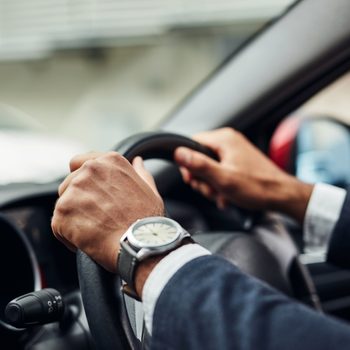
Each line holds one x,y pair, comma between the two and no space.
143,251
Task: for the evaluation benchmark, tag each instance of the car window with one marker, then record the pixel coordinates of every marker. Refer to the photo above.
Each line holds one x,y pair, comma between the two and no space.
94,72
313,142
323,139
333,101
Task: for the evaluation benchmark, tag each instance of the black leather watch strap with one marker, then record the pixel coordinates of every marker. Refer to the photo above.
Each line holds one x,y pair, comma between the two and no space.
127,263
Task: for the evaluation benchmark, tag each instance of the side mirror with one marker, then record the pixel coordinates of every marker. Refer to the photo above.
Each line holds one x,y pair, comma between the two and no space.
319,151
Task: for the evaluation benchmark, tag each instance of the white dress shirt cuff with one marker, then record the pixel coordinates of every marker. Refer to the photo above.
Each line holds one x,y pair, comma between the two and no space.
321,215
161,275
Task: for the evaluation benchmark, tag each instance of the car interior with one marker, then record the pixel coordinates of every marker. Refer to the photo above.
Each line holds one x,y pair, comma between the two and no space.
256,90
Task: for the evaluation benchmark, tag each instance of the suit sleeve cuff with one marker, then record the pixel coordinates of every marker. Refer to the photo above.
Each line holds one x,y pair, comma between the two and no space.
339,245
161,275
321,216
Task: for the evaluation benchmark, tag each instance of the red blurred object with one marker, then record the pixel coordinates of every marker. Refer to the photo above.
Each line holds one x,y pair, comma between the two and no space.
282,142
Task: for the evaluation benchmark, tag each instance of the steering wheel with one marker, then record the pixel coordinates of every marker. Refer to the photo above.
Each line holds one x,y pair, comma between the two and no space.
103,300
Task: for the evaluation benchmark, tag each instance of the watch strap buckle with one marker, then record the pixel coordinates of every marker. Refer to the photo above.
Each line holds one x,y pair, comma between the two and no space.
130,292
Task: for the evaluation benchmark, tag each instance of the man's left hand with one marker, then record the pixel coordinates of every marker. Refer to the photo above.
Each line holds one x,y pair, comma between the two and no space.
99,200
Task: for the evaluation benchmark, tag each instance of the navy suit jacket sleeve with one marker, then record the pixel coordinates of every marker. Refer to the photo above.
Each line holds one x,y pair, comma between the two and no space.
210,304
339,245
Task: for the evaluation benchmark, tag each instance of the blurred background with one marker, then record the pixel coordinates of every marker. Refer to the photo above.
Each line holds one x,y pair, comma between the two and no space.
98,70
86,73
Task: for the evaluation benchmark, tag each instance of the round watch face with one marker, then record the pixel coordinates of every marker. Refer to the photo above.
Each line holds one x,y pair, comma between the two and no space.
155,234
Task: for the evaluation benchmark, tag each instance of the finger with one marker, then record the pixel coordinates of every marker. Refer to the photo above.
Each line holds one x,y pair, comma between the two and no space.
198,164
59,236
186,175
144,174
77,161
70,246
195,184
206,190
63,186
221,202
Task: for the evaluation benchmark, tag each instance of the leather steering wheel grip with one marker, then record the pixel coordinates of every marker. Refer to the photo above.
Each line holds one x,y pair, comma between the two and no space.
158,145
104,306
102,298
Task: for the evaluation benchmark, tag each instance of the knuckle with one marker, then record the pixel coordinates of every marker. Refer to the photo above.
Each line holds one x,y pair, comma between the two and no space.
199,163
87,202
232,133
91,166
73,163
54,225
63,207
78,182
224,181
239,135
116,158
60,189
228,131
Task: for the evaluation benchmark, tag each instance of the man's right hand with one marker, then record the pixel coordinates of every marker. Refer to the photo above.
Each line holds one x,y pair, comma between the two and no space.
243,175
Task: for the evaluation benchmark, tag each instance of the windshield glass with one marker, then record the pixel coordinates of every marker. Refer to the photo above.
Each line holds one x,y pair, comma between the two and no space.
82,75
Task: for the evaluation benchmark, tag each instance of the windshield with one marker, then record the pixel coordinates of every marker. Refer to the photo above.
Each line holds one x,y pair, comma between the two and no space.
89,73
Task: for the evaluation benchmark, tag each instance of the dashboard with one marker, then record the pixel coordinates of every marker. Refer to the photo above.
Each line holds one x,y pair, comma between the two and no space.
31,258
56,263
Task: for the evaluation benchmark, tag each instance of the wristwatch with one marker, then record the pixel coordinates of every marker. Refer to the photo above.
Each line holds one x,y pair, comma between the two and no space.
146,237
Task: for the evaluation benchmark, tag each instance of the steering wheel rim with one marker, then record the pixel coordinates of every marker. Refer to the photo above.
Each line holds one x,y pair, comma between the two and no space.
102,298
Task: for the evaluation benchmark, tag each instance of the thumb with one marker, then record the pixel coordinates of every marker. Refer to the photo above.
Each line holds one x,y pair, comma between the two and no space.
198,164
144,174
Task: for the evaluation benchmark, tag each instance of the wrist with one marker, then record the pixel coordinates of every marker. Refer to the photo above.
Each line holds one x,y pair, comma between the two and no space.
144,270
146,266
292,197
